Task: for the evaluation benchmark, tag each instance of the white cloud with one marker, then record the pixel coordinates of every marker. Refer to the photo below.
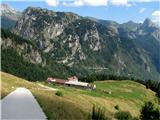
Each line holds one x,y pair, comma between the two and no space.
142,10
78,3
120,2
156,16
52,2
143,0
156,13
140,21
96,3
86,3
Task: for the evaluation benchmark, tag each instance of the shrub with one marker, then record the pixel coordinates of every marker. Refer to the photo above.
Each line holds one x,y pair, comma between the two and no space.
123,115
135,118
116,107
98,113
59,93
148,112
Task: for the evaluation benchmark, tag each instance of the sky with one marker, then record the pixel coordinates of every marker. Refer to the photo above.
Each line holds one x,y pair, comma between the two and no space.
118,10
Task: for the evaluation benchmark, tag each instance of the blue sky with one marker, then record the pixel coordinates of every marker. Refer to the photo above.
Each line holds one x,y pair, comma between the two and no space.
117,10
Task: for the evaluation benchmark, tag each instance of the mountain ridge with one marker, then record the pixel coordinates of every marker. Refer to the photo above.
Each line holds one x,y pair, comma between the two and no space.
76,41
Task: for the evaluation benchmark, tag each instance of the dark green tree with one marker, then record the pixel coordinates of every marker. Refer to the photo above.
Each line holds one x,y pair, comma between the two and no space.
123,115
148,112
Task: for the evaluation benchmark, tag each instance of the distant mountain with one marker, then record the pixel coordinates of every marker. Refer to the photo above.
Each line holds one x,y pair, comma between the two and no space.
86,46
104,22
9,16
130,26
148,27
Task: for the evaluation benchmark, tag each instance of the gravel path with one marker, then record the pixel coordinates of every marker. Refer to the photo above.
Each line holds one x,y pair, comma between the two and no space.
46,87
21,104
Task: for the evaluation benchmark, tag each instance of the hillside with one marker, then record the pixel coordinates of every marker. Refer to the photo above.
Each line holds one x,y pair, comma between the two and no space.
77,103
80,46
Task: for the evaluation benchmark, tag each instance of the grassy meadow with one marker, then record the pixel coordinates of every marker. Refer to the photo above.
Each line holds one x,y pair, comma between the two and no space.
77,103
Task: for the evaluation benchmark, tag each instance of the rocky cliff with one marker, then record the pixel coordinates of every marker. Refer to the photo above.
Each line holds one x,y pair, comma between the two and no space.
91,45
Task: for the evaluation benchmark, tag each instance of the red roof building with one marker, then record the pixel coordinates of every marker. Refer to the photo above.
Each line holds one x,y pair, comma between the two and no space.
60,81
72,81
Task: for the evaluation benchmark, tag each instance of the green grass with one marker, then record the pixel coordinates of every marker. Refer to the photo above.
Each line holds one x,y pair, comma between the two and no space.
55,107
77,103
127,90
128,95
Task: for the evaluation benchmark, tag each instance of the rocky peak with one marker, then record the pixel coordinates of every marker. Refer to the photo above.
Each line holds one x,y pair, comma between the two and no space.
148,23
43,25
9,12
38,11
148,27
50,13
5,8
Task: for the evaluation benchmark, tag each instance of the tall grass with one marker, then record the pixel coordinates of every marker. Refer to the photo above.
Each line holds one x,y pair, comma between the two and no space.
98,113
123,115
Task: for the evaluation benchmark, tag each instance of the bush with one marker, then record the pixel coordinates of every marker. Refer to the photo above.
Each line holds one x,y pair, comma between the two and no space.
59,93
123,115
148,112
98,113
116,107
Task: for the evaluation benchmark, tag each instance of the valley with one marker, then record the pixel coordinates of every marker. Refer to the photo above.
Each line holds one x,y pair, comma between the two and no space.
77,67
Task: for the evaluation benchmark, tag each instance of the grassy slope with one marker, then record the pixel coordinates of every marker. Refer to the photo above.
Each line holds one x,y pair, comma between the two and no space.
55,107
77,103
10,82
